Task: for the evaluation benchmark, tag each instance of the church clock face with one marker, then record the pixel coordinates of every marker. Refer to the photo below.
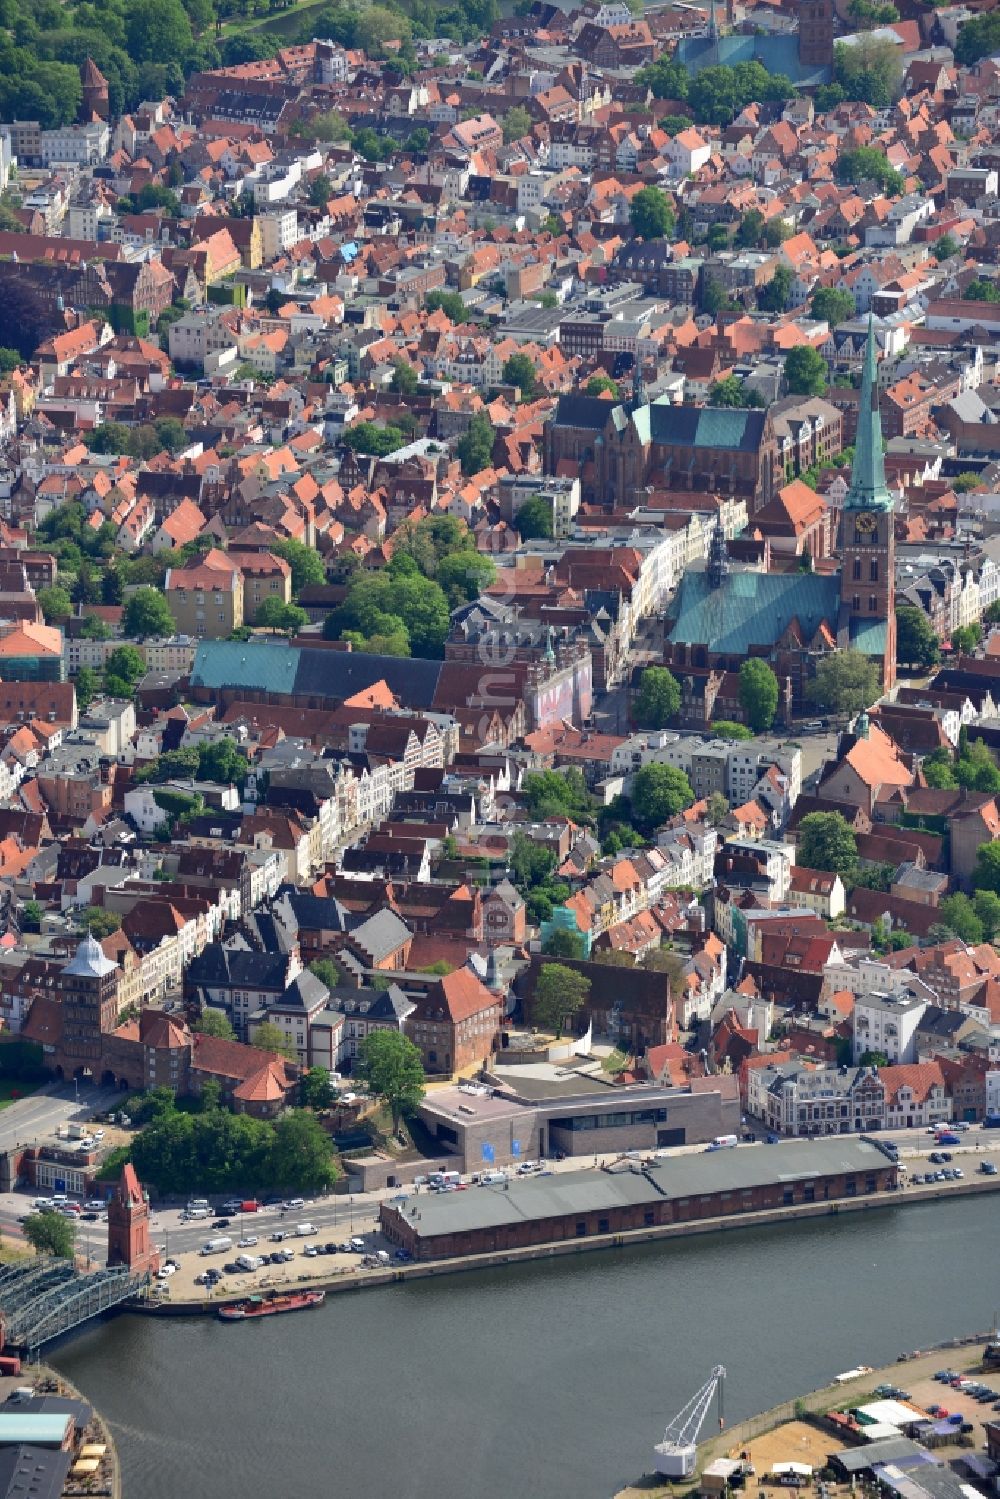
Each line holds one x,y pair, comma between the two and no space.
867,521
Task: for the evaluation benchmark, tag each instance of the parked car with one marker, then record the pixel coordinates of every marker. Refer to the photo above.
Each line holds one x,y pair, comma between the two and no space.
248,1241
279,1237
221,1223
167,1271
987,1168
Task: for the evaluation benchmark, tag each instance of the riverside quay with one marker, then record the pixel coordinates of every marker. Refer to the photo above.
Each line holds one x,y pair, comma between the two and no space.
577,1204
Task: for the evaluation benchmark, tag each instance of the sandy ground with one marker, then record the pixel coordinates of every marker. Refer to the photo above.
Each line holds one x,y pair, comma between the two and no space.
795,1442
302,1269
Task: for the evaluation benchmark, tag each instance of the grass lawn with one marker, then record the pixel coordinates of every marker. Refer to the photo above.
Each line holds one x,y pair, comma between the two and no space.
283,24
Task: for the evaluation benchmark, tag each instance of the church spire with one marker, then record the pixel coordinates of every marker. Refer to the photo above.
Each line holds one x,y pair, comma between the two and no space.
868,487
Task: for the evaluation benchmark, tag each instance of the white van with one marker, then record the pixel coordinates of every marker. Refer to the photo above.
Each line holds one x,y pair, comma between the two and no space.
724,1142
303,1230
197,1213
492,1178
249,1261
358,1245
198,1204
216,1246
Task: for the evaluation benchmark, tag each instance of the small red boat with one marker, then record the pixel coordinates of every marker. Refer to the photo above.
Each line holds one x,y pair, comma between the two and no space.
271,1306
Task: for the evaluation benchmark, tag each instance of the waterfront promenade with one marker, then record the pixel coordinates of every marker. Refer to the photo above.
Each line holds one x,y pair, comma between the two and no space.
181,1297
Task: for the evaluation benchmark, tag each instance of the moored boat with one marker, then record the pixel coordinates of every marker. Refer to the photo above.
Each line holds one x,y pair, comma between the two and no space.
270,1306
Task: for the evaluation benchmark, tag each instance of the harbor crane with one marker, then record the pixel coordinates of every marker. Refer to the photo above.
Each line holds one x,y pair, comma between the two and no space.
677,1454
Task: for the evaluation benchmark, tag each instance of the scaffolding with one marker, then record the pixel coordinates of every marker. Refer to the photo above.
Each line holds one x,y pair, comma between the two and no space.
49,1297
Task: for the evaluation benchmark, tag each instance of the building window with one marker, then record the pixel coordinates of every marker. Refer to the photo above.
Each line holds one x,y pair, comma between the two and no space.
857,569
872,604
874,571
856,603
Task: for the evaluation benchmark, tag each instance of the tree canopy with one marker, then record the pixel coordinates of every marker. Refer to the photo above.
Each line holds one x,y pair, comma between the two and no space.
147,613
805,371
390,1065
845,682
868,164
870,71
395,603
559,993
831,305
534,519
758,694
659,792
51,1233
978,38
658,700
826,841
916,642
651,214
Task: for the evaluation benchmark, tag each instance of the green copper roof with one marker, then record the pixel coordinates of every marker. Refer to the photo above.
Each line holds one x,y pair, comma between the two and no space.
868,489
868,636
752,609
261,665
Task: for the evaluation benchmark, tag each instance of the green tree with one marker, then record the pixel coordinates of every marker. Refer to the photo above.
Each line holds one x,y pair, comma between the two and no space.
126,662
805,371
390,1066
965,639
714,297
516,123
718,808
916,642
449,302
534,519
316,1088
959,913
557,793
666,78
55,604
651,214
274,614
375,441
99,922
987,872
833,306
659,792
868,164
94,628
395,597
404,378
598,384
474,448
51,1233
87,684
658,700
214,1023
873,1059
749,230
776,296
758,694
732,392
320,190
307,565
559,993
464,575
673,124
962,485
826,841
870,71
981,290
987,906
945,247
520,371
31,916
327,971
270,1037
723,728
563,943
978,38
221,761
157,31
300,1158
147,613
845,682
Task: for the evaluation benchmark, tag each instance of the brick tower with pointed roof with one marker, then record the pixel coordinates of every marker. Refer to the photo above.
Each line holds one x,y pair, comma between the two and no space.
128,1225
96,99
868,545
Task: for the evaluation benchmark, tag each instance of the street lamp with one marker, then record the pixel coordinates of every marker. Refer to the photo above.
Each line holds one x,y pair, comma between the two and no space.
76,1085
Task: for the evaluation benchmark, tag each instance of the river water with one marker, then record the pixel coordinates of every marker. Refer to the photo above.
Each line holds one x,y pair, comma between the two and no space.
544,1381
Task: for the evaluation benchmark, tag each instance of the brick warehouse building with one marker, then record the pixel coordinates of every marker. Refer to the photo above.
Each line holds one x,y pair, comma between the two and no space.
576,1205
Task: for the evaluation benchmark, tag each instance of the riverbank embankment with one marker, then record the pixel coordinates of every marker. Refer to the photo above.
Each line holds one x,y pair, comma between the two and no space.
314,1274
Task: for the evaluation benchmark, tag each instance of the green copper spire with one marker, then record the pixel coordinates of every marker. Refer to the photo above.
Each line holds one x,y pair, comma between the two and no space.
868,489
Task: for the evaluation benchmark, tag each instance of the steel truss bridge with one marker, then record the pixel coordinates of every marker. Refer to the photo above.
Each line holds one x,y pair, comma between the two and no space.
46,1297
